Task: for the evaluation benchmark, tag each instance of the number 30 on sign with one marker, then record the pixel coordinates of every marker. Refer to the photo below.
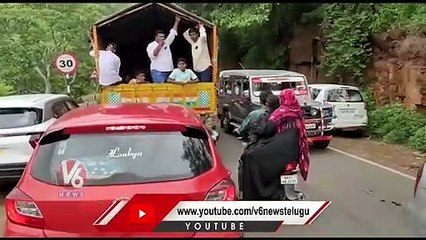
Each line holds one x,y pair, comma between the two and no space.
66,63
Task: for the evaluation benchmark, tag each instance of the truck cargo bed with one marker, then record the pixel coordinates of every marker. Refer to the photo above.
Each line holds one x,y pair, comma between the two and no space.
133,29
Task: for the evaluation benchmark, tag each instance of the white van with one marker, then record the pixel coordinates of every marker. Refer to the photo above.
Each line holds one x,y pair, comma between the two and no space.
350,108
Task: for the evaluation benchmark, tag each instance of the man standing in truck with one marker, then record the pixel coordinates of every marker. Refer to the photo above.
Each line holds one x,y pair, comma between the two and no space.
197,37
160,54
109,66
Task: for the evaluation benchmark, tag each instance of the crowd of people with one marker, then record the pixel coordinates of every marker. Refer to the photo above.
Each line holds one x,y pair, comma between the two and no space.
162,69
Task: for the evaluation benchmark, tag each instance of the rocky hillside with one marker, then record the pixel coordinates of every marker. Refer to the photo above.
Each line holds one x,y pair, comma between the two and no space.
399,68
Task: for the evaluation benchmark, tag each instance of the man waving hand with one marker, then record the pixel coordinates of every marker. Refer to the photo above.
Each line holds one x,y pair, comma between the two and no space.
160,54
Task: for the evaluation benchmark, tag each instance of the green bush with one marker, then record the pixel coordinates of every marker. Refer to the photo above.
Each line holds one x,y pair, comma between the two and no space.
418,140
5,89
397,124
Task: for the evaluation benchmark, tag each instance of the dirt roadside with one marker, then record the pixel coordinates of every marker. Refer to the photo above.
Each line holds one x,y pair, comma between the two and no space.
397,157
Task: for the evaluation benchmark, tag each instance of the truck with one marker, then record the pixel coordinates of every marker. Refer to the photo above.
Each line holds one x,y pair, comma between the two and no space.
132,29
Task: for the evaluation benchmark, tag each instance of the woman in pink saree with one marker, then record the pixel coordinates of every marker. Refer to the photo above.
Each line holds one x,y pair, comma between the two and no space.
289,115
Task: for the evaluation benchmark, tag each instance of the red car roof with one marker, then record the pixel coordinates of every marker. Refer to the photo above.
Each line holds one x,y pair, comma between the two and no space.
128,113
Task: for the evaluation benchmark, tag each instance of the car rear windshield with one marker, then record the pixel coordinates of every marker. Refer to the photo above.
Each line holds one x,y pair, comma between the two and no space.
19,117
124,158
344,95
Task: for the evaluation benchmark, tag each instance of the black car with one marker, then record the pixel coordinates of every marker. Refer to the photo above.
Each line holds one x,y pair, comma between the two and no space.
239,95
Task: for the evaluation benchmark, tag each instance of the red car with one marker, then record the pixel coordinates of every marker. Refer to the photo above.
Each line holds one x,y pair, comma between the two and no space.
126,149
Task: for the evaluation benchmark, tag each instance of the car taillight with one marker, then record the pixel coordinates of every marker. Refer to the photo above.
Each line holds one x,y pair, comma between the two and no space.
21,209
419,176
223,191
290,167
34,140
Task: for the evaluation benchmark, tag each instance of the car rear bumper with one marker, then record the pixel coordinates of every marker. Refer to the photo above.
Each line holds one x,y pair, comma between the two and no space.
11,171
350,127
16,230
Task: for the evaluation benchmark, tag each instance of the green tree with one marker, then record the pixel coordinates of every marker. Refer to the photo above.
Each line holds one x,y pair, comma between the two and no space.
34,33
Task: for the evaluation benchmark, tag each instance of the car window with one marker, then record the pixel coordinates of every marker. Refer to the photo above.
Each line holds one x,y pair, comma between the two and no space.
315,92
121,158
344,95
237,88
59,108
20,117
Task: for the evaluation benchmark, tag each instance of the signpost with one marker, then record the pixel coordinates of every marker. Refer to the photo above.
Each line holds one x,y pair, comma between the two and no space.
67,64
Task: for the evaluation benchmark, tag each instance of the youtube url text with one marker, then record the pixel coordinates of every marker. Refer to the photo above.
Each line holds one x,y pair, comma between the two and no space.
260,211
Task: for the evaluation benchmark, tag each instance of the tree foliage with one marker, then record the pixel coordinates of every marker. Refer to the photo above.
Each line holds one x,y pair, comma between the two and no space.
258,34
347,51
348,29
33,34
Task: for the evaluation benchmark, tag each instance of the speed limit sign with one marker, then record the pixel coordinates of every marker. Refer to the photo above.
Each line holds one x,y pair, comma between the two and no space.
66,63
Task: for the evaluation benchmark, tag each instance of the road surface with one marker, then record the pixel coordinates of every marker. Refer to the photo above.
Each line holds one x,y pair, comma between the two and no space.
365,200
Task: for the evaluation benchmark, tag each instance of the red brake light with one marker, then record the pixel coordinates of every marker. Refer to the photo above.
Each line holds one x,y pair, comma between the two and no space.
124,128
21,209
291,167
34,140
418,177
223,191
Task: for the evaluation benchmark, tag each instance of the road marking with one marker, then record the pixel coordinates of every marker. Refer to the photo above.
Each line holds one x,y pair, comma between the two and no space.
372,163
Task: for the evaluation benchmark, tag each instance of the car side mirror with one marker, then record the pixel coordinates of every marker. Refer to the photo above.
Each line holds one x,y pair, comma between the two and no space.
34,139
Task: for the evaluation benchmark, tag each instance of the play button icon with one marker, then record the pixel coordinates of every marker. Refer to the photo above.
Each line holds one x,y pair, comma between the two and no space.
141,213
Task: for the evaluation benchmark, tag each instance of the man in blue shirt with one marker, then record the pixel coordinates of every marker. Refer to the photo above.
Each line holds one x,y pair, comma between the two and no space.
182,75
247,124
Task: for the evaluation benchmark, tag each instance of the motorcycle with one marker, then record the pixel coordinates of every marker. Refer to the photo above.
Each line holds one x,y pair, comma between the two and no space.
288,179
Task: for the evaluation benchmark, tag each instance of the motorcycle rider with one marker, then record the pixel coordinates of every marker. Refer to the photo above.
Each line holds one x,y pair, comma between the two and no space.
283,140
258,125
247,124
271,104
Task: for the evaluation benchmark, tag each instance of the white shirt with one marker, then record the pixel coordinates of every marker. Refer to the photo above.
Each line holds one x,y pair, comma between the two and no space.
200,50
109,68
163,62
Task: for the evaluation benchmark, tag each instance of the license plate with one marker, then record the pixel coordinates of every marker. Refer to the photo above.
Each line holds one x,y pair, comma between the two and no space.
348,111
311,126
288,179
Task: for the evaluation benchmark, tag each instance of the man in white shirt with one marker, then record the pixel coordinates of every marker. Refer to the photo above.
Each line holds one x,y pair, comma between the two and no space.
200,52
109,66
160,54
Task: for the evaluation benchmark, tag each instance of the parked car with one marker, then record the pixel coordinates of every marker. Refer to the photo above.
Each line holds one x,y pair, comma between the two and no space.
415,212
124,149
239,95
22,119
349,105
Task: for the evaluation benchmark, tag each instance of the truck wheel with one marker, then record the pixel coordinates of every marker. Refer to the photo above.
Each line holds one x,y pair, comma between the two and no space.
226,122
321,144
